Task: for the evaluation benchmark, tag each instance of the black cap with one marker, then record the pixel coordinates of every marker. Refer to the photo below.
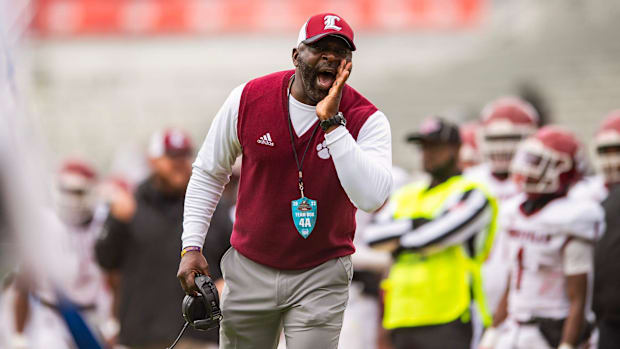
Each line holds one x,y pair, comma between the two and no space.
437,130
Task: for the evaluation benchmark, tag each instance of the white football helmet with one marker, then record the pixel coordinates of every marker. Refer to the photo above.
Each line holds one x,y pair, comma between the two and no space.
505,123
548,162
607,143
75,196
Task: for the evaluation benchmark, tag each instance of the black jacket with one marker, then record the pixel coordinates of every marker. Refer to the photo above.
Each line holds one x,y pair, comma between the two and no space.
606,294
146,251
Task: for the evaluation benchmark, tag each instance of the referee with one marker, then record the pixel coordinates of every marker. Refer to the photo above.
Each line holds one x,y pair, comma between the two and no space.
314,150
439,231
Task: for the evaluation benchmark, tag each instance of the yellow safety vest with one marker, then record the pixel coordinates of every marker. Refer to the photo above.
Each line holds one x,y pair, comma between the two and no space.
435,287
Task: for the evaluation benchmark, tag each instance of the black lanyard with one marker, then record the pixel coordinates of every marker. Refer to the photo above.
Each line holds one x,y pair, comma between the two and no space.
290,131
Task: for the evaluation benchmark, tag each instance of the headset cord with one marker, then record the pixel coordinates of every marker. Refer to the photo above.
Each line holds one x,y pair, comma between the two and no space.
180,335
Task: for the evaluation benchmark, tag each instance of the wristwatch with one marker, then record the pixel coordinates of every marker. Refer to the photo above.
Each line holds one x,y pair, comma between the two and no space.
335,120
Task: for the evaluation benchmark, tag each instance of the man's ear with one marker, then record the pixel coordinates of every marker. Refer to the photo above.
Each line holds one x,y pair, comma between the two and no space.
295,56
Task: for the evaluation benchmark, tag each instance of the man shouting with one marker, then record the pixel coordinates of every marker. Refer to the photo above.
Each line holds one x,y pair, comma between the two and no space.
314,150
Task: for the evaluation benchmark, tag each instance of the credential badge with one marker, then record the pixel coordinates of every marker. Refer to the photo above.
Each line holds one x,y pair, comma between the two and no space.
304,215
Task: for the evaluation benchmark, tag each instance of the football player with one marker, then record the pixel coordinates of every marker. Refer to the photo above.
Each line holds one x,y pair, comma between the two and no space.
505,123
607,160
36,303
606,288
550,239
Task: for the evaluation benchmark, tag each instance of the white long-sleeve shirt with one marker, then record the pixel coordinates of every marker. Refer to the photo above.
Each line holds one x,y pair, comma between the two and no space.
363,166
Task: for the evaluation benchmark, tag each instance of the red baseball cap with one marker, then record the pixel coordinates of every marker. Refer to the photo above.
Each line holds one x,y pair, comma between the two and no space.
79,168
323,24
170,142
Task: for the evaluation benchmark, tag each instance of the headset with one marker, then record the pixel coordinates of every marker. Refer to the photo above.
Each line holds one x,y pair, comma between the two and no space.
202,312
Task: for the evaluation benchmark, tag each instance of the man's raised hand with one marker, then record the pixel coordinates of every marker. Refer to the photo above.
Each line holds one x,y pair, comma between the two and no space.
328,107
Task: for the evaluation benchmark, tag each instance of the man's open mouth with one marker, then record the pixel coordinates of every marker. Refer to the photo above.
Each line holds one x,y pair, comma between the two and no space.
325,79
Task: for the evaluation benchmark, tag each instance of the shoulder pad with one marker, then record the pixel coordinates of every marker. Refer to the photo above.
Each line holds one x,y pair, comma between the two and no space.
581,218
591,188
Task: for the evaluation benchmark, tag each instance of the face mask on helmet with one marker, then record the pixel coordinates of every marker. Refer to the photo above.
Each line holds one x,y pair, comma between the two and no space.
506,122
539,169
501,139
608,162
607,142
74,197
499,150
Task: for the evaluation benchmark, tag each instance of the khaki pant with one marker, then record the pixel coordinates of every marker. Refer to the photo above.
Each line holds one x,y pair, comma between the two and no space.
259,301
186,343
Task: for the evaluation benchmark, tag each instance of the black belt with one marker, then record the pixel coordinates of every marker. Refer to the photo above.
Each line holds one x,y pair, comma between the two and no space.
551,329
53,306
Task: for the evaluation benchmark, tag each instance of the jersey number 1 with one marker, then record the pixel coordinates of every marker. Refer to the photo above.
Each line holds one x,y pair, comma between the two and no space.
519,268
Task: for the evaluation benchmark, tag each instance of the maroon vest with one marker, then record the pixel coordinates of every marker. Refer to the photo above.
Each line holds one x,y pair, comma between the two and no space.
264,230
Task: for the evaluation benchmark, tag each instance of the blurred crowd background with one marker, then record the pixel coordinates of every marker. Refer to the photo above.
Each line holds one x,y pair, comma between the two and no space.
95,79
101,76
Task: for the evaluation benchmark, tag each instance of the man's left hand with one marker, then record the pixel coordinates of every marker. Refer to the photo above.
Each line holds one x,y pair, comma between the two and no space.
328,107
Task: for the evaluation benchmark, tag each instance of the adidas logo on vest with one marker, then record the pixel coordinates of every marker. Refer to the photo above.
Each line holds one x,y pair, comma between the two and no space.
265,140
